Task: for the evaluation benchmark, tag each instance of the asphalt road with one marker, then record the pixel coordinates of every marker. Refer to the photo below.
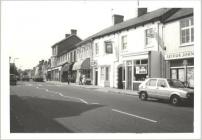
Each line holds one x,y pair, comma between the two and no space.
44,108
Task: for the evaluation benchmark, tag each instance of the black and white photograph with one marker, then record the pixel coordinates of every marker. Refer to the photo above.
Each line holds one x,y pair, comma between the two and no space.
101,69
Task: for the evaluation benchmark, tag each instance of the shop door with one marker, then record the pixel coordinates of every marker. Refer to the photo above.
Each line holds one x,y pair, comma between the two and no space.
120,83
96,78
129,78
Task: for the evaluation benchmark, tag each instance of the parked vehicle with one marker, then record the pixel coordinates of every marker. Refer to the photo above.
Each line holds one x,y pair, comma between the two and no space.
25,78
38,79
168,89
13,79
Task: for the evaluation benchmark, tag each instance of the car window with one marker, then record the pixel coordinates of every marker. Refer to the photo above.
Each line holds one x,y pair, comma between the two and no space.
161,83
175,83
151,82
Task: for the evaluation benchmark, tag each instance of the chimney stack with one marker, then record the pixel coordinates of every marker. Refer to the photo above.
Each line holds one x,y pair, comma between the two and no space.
73,32
141,11
117,19
67,35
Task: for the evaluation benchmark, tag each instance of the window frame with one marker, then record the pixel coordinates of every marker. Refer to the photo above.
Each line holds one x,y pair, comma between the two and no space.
149,42
186,28
96,49
124,42
106,45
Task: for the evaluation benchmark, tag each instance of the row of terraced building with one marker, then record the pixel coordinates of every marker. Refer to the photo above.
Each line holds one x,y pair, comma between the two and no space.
159,43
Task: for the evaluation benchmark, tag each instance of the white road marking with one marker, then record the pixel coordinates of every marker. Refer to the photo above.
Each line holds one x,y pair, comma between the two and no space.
82,100
55,92
134,115
94,103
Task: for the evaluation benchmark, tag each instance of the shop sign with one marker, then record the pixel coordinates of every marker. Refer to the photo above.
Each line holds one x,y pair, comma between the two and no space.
141,69
93,63
179,55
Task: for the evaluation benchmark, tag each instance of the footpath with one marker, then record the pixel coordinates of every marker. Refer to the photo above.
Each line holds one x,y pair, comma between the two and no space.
97,88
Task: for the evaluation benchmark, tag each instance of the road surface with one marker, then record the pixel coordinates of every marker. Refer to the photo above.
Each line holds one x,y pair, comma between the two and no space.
44,107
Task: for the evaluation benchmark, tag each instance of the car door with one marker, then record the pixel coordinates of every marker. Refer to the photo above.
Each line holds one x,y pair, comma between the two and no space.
162,89
151,87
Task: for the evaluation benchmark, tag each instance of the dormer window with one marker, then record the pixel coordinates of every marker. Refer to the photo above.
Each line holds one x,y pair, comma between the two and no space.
108,47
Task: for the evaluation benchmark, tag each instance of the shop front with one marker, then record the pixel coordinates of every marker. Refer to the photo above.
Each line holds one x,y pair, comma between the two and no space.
56,73
66,72
181,67
82,68
139,66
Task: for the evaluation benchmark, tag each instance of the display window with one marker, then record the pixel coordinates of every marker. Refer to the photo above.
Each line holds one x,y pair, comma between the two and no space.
190,76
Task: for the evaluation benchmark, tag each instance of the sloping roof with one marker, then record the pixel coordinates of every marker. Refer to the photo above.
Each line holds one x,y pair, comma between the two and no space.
182,13
134,22
67,44
159,14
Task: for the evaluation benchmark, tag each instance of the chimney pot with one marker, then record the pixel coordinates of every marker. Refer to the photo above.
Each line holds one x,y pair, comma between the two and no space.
67,35
73,32
117,19
141,11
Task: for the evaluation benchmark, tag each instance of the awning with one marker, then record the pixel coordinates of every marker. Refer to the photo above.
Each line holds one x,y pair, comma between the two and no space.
85,64
67,67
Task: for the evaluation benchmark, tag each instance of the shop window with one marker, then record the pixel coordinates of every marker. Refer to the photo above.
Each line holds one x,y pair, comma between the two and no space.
190,76
108,47
178,73
186,31
137,62
145,61
124,42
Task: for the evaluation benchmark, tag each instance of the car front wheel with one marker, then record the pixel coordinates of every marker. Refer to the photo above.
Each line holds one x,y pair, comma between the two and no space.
175,100
143,96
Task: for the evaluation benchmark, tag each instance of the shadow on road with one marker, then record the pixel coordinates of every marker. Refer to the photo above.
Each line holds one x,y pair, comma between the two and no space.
182,104
37,115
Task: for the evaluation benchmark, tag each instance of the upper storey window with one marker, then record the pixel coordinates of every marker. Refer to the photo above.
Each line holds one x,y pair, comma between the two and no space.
149,35
186,31
124,42
108,47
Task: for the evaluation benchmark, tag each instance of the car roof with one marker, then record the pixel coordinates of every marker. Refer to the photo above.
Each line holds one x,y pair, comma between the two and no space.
158,78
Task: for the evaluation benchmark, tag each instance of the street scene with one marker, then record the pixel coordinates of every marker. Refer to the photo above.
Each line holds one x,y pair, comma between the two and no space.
55,107
120,67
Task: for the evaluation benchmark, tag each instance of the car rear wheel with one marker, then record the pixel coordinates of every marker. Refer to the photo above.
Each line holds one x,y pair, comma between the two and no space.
175,100
143,96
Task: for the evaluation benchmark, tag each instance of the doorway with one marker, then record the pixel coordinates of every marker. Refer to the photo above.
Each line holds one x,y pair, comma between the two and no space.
129,78
120,83
96,77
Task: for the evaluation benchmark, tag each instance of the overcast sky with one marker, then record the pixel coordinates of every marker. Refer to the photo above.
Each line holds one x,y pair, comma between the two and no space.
30,28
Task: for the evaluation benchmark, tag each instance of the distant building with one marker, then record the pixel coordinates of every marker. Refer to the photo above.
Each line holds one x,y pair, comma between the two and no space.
84,53
63,57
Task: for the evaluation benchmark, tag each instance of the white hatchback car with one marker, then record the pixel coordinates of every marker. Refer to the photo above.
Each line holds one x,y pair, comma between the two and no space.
168,89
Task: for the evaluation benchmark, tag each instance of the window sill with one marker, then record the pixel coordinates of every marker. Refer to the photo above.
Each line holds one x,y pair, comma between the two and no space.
187,45
148,46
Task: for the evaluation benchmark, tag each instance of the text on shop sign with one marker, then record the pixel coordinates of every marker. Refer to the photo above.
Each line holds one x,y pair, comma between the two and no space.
179,55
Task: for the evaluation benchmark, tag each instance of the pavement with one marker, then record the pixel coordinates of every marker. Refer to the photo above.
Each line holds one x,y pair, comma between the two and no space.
98,88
